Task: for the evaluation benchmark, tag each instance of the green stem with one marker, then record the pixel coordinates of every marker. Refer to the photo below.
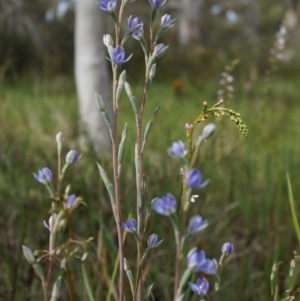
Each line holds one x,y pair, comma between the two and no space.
45,289
293,207
70,284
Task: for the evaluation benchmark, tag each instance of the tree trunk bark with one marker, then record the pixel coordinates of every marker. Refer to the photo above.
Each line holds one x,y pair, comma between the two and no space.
189,22
293,15
91,74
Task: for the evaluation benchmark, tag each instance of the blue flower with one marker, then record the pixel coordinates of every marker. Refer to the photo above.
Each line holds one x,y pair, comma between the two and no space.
227,248
201,287
44,176
165,206
118,55
108,5
167,22
197,224
200,263
135,28
177,150
153,241
72,157
138,34
156,4
130,225
70,200
192,258
194,179
210,267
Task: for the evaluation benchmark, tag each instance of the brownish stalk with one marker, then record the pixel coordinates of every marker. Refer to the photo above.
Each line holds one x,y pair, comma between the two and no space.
139,179
139,176
52,233
117,187
117,208
177,263
182,221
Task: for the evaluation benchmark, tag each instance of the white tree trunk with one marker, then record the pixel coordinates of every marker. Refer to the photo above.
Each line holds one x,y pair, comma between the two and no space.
189,22
91,73
293,15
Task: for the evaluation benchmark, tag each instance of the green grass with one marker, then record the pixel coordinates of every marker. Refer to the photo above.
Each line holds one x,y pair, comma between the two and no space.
246,202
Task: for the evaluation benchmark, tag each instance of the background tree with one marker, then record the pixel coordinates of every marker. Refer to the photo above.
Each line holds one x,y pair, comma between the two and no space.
189,22
91,72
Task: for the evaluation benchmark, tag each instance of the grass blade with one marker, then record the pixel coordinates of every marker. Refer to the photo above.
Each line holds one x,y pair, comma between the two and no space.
293,207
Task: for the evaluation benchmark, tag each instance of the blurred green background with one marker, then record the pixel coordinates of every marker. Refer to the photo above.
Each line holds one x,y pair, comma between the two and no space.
246,201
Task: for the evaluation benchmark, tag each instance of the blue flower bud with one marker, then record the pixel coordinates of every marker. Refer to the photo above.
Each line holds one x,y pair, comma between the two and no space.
227,248
166,205
70,200
107,5
177,150
44,176
201,287
167,22
197,224
208,130
159,50
153,241
194,179
72,157
130,226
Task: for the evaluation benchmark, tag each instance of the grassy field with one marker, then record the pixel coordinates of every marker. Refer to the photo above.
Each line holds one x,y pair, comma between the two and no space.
246,201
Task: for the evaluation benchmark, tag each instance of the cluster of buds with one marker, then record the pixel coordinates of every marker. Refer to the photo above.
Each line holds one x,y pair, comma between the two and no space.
236,117
226,82
198,262
276,52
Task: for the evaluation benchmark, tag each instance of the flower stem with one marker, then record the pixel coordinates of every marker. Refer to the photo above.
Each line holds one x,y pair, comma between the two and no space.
117,186
70,284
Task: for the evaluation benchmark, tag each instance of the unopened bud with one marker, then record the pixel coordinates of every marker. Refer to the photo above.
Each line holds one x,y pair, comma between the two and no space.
152,71
208,130
107,40
159,50
72,157
60,137
84,256
227,248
